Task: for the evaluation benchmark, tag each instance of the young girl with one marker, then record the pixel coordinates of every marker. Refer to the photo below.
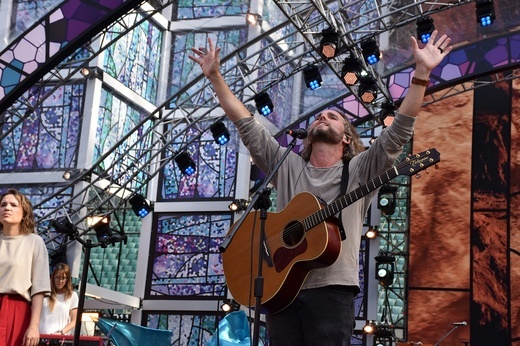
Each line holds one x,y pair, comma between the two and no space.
61,307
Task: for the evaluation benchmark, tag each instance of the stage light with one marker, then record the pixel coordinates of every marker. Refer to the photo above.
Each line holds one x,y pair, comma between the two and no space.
312,77
76,173
140,205
425,28
253,19
387,110
230,305
485,12
370,50
85,72
385,266
238,205
91,72
63,225
372,232
369,327
185,163
367,91
387,199
352,71
104,233
264,104
329,44
220,132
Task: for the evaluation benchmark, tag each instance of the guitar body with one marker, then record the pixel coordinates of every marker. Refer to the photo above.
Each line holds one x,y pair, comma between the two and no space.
294,251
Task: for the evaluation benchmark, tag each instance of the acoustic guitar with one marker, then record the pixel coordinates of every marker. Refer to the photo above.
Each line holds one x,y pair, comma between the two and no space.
301,237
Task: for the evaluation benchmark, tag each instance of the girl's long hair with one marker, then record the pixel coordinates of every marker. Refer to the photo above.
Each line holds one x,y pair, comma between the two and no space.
27,225
60,269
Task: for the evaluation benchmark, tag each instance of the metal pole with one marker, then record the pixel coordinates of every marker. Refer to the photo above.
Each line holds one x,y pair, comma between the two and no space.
82,289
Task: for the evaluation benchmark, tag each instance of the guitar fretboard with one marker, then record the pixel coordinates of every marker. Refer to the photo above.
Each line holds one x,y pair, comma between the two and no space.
348,199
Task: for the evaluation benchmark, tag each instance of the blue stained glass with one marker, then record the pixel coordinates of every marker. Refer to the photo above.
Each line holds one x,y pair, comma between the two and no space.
191,9
215,170
186,258
134,59
48,138
117,119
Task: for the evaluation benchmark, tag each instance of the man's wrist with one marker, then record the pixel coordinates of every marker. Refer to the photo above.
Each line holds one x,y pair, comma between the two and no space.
419,81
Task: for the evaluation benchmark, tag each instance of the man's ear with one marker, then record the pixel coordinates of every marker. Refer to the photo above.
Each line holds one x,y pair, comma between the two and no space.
347,140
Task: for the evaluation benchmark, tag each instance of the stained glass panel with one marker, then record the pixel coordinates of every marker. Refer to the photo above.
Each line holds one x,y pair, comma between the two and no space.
191,9
48,138
215,169
135,58
186,260
118,121
183,69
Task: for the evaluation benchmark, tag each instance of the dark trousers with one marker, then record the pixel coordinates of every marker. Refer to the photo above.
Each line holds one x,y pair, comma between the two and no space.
317,317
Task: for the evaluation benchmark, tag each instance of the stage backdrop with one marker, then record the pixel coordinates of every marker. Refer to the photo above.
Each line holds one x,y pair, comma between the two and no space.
464,227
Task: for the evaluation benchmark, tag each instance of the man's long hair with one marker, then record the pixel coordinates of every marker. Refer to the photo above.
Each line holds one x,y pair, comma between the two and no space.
349,151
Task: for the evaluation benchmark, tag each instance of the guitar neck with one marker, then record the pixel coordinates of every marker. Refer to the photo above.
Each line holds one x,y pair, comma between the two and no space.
344,201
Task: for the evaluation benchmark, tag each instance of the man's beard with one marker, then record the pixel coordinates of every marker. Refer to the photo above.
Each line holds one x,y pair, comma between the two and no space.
325,135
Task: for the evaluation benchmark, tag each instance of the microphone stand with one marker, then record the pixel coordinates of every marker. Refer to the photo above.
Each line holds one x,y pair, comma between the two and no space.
446,335
260,201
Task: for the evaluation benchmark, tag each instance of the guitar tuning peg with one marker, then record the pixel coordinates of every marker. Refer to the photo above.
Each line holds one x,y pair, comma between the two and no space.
417,175
427,171
437,166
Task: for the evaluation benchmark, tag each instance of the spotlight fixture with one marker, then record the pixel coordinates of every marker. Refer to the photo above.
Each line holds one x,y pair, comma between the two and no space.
104,233
367,91
385,266
230,305
238,205
91,72
63,225
387,110
372,232
329,44
369,327
370,50
387,198
85,72
76,173
264,104
425,28
220,132
140,205
312,77
185,163
352,71
253,19
485,12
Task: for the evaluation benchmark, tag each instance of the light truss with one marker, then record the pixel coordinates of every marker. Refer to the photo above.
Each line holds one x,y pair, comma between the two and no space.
285,56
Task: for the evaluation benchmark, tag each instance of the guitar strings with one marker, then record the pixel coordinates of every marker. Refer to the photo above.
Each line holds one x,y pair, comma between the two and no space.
300,225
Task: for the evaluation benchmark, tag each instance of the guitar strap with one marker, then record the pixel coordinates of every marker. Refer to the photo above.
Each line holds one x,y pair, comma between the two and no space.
343,191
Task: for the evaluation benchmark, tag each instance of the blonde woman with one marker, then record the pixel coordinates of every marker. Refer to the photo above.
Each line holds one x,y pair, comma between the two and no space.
60,308
24,272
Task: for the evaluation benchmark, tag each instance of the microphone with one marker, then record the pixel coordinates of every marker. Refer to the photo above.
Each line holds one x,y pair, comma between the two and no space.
297,133
463,323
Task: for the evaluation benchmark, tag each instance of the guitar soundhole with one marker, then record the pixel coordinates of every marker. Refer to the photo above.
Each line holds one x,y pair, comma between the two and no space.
293,233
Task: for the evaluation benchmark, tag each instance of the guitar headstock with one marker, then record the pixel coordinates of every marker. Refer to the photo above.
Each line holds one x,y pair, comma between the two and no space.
418,162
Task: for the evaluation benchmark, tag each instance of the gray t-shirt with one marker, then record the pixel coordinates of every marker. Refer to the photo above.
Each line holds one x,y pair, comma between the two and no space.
297,175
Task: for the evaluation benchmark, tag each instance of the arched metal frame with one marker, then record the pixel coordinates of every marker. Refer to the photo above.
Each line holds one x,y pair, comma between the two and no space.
306,20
